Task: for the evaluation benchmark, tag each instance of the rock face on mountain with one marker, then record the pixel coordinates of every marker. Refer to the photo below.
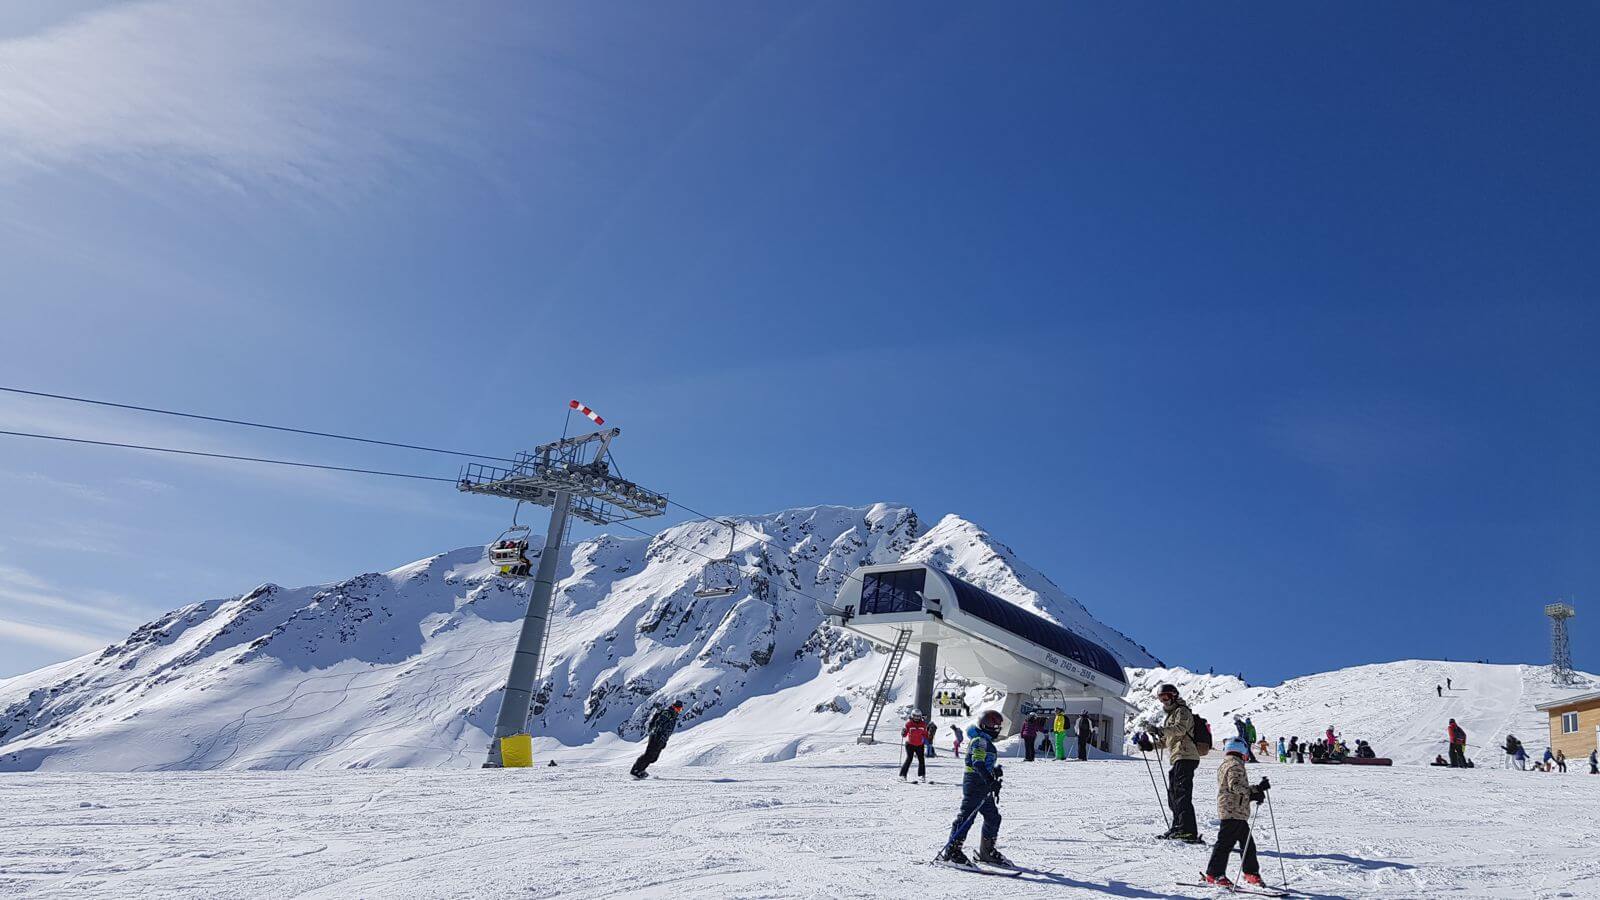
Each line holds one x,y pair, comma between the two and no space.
406,667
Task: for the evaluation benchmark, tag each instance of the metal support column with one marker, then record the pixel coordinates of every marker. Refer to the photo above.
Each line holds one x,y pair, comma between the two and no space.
518,697
927,660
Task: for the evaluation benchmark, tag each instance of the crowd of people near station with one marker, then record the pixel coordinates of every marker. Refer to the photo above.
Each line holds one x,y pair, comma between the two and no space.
1057,732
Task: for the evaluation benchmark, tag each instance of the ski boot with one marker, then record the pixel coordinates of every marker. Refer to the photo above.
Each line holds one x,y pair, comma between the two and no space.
988,854
1188,837
954,855
1220,881
1254,880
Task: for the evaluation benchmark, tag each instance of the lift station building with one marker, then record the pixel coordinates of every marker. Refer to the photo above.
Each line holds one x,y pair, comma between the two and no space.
941,619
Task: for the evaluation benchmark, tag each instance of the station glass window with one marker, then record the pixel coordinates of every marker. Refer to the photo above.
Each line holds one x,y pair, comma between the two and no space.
1569,723
892,592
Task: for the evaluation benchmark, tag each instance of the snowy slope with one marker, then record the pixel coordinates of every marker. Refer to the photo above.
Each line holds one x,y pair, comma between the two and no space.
828,825
404,668
1392,705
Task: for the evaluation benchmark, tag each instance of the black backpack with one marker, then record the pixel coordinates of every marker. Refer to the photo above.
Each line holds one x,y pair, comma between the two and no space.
1200,733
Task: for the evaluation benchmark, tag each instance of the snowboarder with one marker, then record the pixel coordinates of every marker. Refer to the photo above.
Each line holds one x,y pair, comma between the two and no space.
1234,795
1058,731
1510,747
1030,730
1177,732
662,723
915,733
1458,745
980,785
1085,737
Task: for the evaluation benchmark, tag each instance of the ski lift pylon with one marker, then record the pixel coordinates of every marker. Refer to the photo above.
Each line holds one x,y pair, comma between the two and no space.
720,577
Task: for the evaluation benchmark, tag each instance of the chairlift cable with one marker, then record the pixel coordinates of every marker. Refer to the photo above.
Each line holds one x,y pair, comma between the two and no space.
254,459
672,543
345,437
249,424
756,536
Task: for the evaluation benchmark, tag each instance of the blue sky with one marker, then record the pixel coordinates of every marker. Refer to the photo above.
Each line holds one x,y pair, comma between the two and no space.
1267,332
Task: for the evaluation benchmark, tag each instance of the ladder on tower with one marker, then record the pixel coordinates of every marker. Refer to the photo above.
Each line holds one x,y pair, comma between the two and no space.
881,698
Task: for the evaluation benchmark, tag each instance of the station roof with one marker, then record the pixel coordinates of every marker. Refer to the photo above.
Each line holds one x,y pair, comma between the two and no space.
1036,628
1575,700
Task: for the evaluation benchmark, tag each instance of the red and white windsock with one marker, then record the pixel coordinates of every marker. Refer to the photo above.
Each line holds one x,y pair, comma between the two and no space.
593,416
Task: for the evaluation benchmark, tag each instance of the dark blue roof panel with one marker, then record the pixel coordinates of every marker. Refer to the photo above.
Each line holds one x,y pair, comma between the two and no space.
1010,617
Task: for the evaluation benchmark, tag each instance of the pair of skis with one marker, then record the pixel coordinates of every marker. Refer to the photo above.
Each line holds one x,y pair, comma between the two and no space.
1240,889
977,868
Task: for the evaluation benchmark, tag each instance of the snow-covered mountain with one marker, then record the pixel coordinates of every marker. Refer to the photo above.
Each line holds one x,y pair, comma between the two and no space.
405,668
1395,706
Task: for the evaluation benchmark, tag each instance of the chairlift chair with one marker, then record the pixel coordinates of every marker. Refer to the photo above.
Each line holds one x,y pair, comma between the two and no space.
949,696
1047,699
509,552
720,577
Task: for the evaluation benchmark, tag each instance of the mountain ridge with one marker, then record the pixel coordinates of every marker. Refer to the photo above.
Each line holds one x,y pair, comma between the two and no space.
405,667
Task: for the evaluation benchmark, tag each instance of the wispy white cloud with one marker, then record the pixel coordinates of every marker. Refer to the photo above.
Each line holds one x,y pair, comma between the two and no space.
148,485
61,639
60,485
41,621
233,94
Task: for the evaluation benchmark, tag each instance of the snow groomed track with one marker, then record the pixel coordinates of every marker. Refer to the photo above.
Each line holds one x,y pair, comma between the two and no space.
832,824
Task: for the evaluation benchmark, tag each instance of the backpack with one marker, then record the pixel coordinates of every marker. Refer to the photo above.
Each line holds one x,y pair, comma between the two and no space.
1200,733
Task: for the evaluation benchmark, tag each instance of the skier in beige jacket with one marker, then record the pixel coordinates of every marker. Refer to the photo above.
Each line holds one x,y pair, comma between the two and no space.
1234,796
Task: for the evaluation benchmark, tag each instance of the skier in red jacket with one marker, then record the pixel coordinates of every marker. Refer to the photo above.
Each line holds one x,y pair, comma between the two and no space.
1457,736
915,734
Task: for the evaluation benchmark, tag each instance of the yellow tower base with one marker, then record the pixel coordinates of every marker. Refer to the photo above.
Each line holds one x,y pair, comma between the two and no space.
516,751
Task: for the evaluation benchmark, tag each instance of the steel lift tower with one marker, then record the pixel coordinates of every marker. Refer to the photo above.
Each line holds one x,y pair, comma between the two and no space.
573,477
1560,651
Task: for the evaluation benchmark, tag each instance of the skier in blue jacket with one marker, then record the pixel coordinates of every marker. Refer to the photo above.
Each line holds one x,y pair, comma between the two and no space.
980,785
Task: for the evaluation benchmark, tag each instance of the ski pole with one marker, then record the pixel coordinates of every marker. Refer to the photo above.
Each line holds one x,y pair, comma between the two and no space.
1282,873
1249,837
965,824
1157,788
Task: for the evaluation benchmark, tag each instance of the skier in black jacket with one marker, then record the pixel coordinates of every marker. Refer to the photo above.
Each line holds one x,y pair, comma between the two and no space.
662,723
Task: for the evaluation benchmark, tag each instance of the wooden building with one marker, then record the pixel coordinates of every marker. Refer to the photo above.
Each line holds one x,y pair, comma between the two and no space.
1574,724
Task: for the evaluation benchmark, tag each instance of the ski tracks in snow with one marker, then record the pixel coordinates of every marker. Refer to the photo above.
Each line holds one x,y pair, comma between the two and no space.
832,824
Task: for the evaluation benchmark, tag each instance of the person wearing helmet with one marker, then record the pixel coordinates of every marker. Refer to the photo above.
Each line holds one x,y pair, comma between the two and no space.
916,737
662,723
980,785
1177,733
1234,795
